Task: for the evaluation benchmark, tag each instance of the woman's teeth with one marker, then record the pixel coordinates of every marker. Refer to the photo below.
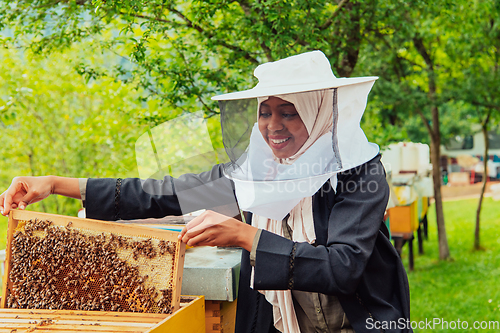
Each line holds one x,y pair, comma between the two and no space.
279,141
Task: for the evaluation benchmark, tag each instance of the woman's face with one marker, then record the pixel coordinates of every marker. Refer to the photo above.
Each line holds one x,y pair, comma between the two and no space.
281,126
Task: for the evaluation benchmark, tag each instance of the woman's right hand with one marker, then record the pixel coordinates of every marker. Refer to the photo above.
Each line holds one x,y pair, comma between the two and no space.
24,191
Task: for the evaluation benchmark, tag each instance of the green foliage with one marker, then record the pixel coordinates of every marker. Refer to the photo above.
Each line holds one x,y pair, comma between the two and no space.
53,122
183,52
408,51
475,53
453,43
180,53
167,58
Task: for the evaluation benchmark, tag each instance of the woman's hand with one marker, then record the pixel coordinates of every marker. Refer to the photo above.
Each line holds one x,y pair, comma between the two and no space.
214,229
24,191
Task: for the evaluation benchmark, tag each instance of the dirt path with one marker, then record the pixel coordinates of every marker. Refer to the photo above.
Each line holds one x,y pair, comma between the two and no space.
465,192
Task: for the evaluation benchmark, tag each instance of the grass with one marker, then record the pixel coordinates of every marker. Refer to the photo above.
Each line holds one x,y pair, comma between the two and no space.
466,288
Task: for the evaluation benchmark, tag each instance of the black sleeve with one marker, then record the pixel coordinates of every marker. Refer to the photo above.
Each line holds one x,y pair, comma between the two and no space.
133,198
352,221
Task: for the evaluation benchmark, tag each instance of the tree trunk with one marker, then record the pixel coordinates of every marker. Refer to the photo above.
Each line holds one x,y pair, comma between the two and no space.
477,243
435,134
444,252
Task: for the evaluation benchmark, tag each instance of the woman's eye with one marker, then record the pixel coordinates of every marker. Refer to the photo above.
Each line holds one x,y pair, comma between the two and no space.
265,114
289,115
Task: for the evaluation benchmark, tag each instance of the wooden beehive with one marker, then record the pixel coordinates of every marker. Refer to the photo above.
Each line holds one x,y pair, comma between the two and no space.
404,219
188,319
66,263
220,316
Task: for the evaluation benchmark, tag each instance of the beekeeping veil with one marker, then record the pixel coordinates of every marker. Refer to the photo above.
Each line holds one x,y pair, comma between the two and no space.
268,186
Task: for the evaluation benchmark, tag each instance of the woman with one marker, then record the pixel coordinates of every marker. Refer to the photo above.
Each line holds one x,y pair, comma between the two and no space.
316,257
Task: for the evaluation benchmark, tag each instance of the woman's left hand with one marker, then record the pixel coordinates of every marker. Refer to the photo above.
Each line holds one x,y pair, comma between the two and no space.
214,229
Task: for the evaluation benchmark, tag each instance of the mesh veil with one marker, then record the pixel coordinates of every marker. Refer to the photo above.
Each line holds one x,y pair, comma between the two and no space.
252,159
237,120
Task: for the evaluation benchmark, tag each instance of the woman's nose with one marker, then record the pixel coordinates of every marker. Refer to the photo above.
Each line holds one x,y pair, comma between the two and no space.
275,123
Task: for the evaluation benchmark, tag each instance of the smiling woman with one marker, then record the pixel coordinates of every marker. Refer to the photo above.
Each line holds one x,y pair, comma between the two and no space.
312,189
281,126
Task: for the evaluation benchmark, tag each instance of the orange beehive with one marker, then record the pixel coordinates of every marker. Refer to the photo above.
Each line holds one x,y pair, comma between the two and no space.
404,219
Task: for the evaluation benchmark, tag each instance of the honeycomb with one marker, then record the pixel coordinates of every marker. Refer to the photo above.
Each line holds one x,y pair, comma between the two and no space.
68,268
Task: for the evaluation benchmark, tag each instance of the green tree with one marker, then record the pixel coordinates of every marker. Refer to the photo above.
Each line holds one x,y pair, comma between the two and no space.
183,52
408,51
475,51
180,53
53,122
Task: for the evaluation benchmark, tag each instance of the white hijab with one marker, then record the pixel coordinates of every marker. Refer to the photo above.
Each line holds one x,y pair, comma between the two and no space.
272,187
316,111
266,187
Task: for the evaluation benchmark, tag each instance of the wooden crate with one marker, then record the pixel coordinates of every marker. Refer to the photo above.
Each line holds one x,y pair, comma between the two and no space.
403,219
220,316
188,319
160,273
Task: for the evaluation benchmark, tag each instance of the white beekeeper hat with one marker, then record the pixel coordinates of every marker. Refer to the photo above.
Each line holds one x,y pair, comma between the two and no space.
271,189
303,72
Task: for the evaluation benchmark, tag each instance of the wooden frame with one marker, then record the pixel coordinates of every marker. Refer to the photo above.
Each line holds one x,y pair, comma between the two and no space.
188,319
130,230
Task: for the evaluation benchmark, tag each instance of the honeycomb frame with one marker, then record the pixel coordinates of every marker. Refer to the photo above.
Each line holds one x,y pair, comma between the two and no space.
139,257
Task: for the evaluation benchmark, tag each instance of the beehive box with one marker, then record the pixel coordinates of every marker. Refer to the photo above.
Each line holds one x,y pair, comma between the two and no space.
185,320
220,316
60,263
404,219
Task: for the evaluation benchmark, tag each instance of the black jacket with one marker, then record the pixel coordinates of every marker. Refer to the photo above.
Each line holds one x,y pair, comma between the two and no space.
352,258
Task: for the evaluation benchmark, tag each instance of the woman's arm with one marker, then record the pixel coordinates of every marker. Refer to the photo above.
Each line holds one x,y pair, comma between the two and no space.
24,191
214,229
67,187
347,230
133,198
